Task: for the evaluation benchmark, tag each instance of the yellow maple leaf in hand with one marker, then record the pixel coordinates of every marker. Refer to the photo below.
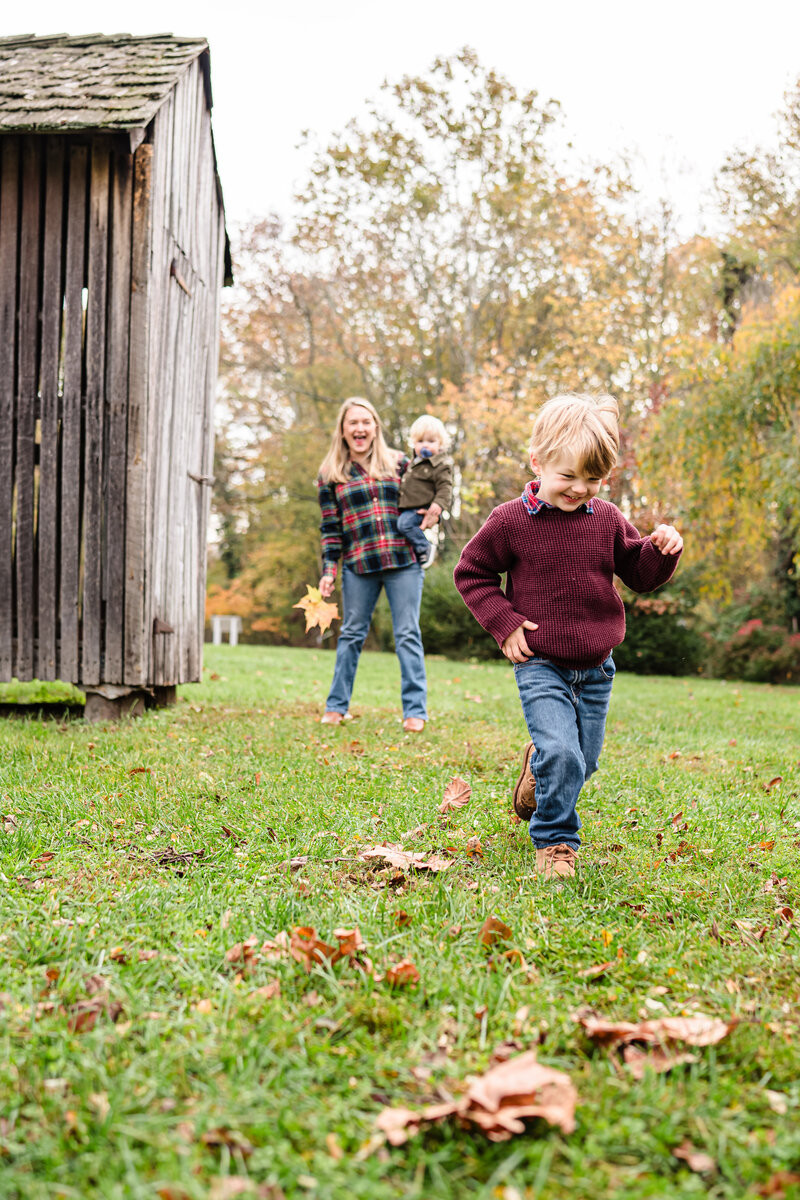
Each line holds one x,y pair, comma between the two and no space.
318,611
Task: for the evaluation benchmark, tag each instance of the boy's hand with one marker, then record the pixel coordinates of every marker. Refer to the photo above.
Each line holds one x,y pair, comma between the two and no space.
326,585
431,517
667,539
515,647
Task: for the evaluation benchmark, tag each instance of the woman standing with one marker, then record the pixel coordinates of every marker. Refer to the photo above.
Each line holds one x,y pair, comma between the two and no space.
359,482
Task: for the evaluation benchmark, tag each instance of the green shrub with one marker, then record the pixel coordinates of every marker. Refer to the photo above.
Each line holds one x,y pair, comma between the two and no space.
760,653
660,637
448,627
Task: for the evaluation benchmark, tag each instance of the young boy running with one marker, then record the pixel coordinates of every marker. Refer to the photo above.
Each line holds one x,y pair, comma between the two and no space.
560,615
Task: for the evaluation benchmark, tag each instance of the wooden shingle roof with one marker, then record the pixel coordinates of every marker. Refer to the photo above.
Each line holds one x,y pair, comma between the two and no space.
115,82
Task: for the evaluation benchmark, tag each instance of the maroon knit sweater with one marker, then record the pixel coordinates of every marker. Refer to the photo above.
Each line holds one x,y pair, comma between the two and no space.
561,567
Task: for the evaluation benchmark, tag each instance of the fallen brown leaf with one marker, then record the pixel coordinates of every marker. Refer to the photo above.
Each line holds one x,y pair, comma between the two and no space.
307,949
267,992
657,1036
498,1102
456,795
600,969
402,974
777,1184
223,1136
406,859
696,1160
494,930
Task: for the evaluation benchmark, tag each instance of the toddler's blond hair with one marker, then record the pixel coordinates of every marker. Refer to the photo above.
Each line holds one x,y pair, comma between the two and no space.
428,424
580,426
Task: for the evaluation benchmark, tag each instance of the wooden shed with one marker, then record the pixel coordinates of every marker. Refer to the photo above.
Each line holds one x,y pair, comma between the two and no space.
113,253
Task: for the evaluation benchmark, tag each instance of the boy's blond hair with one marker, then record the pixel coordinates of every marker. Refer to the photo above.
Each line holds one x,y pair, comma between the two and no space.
579,426
382,461
428,424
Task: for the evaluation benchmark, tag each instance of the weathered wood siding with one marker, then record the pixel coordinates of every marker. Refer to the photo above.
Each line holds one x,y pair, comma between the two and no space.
111,266
55,436
188,242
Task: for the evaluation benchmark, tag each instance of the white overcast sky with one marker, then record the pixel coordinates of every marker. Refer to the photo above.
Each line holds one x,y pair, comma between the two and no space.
681,82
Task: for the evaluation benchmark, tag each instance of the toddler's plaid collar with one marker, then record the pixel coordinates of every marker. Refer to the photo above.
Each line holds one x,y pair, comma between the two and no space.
534,505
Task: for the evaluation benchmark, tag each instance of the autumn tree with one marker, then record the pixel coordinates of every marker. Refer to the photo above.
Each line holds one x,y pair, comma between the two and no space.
440,257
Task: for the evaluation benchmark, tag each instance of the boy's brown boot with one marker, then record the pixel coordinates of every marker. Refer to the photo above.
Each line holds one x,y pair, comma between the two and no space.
556,861
524,794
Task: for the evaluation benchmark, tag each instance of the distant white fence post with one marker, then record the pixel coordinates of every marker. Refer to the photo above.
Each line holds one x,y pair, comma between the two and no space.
224,624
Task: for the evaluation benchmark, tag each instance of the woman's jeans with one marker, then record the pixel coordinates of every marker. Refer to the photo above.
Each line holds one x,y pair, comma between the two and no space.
565,711
408,523
359,597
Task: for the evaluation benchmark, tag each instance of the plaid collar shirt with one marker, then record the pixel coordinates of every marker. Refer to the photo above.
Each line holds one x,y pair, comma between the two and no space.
359,523
534,505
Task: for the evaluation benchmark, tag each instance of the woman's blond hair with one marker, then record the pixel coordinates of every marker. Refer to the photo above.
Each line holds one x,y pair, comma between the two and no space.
382,461
581,427
428,424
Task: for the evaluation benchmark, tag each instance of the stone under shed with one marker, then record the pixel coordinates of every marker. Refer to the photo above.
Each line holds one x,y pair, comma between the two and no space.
113,253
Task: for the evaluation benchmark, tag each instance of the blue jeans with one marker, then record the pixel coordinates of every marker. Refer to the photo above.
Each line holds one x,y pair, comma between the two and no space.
408,523
359,597
565,711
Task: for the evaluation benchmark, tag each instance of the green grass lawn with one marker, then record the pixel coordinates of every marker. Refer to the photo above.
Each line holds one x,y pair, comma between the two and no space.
139,1061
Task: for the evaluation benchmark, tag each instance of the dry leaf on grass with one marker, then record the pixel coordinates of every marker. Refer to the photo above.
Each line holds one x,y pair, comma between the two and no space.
406,859
494,930
639,1059
600,969
267,992
456,795
696,1160
82,1017
307,949
498,1102
319,611
648,1043
402,974
777,1184
231,1138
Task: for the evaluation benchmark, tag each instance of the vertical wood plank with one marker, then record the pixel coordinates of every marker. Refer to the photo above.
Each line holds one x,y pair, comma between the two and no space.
71,442
92,613
137,634
9,212
156,451
25,547
47,523
119,298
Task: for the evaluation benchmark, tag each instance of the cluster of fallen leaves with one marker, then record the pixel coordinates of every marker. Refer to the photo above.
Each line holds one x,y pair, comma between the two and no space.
519,1087
653,1044
498,1102
82,1014
303,944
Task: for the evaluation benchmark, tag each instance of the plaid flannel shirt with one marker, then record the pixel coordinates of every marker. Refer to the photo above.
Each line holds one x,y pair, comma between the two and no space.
534,505
359,523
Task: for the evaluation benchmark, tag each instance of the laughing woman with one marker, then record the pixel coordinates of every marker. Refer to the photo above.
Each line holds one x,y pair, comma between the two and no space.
359,482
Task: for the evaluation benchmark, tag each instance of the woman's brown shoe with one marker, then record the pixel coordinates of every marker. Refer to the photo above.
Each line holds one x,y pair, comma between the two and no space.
413,725
524,794
331,718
